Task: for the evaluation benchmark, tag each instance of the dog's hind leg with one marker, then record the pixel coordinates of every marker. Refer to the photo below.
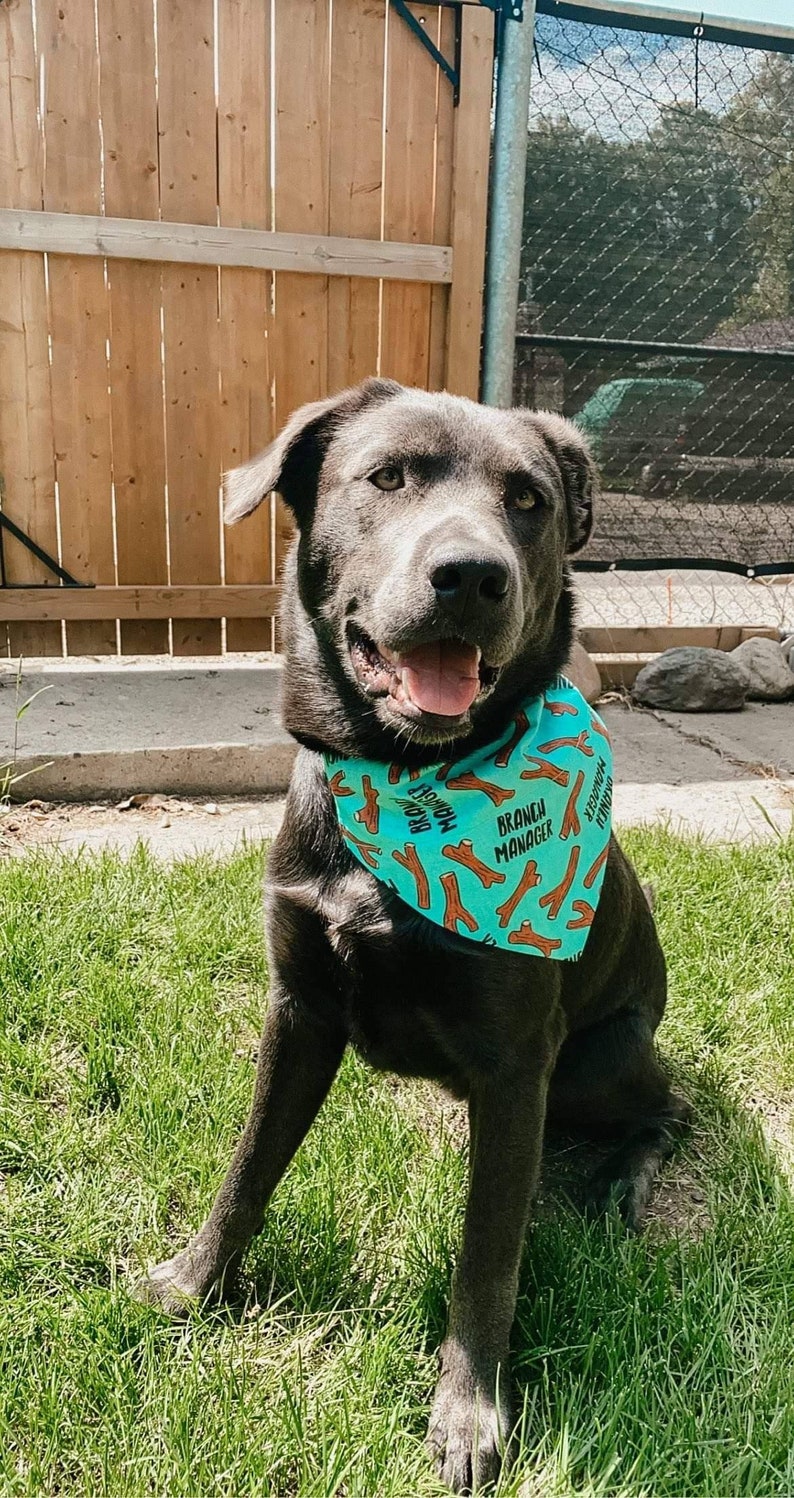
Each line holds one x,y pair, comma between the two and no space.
626,1179
298,1059
609,1082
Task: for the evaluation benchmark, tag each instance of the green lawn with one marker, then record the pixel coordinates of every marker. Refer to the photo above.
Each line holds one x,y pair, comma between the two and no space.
131,999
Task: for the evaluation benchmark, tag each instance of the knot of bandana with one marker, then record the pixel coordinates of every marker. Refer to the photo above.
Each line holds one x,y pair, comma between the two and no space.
506,846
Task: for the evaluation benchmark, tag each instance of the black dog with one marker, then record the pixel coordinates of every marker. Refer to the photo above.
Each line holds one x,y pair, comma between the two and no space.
425,597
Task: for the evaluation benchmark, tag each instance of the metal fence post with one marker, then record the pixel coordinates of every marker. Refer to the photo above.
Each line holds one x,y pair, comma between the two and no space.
506,216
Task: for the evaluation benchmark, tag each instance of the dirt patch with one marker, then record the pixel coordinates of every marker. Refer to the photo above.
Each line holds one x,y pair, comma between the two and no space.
172,826
776,1119
632,524
679,1205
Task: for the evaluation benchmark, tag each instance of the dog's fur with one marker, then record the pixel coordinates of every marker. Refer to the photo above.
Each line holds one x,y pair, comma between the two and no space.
519,1036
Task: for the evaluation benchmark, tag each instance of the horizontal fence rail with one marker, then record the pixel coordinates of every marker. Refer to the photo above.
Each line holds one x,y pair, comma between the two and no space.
205,244
639,346
236,600
256,602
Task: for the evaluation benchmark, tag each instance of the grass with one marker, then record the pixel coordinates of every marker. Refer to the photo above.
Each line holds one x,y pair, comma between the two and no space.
131,999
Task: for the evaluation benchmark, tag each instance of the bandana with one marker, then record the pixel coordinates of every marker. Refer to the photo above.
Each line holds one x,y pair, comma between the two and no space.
506,846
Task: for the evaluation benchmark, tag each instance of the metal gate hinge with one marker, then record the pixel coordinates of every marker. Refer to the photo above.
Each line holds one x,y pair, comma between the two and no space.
510,10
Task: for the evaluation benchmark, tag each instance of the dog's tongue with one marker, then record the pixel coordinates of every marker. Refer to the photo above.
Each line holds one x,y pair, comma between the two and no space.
441,678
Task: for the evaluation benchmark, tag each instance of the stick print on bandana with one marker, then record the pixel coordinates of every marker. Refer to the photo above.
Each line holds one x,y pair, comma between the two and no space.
505,846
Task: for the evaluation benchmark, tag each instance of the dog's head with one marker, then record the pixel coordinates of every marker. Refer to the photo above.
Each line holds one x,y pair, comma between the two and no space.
427,589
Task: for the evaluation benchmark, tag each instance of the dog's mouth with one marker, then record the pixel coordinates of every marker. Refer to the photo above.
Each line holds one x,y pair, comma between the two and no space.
440,679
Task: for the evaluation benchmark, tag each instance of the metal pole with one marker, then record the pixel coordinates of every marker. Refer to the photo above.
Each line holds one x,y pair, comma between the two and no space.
506,216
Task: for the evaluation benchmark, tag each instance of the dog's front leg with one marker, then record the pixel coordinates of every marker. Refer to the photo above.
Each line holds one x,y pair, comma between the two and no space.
471,1415
299,1056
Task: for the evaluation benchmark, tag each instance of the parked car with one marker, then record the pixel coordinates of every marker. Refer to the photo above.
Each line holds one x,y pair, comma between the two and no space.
725,438
735,443
634,422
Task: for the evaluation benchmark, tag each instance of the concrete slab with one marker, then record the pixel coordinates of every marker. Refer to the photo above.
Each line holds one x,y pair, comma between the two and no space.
728,777
649,750
195,727
761,737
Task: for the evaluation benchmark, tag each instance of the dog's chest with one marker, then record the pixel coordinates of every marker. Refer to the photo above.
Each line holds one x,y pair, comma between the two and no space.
422,1002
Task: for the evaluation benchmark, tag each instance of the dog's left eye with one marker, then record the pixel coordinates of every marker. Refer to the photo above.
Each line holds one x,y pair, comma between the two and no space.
526,499
390,477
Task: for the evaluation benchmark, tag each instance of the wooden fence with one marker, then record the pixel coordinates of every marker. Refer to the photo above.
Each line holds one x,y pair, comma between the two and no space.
212,211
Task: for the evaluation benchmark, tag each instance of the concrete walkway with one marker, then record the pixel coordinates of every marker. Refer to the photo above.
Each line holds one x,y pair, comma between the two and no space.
105,729
204,740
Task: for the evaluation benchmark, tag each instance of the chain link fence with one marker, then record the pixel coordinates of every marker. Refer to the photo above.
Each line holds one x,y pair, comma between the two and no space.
657,307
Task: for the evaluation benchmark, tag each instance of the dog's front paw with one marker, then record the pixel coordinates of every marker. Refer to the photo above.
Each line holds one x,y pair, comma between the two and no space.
180,1284
467,1434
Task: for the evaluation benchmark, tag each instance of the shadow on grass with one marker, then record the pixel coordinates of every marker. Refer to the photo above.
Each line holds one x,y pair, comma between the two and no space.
661,1364
658,1364
299,1273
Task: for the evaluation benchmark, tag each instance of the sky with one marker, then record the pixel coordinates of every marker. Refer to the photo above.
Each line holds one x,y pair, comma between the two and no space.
615,82
771,12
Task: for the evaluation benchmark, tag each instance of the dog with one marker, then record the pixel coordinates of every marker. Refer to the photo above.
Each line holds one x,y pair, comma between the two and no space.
426,598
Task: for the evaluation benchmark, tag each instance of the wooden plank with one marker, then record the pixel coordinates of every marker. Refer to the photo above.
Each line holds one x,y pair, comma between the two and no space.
78,307
128,103
358,45
188,193
470,202
27,463
243,602
651,639
245,295
619,672
411,80
442,200
197,244
301,198
614,650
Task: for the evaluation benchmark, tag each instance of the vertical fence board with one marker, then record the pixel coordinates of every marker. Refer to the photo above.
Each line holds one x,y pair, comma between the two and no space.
302,40
128,101
78,308
411,79
442,202
245,295
27,465
470,202
356,110
188,194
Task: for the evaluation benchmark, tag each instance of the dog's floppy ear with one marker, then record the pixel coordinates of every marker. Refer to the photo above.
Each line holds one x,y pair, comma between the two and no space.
291,463
572,455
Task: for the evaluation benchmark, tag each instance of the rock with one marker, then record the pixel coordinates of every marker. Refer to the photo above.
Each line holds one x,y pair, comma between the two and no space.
139,799
692,679
788,651
582,670
771,677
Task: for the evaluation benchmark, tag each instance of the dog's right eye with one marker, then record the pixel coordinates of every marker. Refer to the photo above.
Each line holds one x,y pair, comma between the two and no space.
389,477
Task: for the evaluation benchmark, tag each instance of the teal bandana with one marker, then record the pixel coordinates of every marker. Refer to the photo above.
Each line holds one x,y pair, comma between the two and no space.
506,846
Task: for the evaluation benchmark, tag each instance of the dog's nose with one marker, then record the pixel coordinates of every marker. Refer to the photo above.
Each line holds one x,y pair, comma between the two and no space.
464,583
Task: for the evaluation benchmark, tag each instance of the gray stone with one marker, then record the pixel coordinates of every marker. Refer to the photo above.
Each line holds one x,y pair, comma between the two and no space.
692,679
582,670
771,678
788,651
